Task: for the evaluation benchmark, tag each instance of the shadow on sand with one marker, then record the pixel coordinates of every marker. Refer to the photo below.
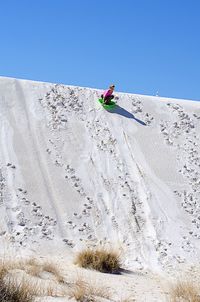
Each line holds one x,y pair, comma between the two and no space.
121,111
129,272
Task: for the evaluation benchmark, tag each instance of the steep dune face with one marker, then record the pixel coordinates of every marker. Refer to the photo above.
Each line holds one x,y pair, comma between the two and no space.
73,174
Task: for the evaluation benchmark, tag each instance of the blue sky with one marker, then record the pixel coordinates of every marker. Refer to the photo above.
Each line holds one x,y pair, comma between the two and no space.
142,46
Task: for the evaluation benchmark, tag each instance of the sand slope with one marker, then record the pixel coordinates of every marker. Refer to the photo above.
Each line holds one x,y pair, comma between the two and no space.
73,174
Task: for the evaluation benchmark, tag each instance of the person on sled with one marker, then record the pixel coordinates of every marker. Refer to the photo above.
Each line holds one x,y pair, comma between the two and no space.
107,96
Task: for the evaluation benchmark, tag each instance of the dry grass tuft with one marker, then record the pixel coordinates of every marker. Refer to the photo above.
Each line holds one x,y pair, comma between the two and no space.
22,288
32,262
128,299
35,268
3,270
83,291
102,260
51,268
11,291
79,291
184,292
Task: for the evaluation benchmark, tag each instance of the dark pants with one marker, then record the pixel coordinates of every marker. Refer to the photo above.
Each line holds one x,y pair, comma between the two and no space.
107,99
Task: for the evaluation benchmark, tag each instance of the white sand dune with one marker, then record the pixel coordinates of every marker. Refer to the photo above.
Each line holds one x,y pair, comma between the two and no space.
74,175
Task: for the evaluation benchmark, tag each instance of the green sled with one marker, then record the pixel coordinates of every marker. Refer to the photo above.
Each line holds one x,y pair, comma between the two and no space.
107,106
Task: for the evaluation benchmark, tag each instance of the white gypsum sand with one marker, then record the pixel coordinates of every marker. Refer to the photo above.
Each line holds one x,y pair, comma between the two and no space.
73,175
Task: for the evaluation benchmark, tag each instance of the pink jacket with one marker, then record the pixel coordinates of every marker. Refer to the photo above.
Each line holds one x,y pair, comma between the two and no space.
107,93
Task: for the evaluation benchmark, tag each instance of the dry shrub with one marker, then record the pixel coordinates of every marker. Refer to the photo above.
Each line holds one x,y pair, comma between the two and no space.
184,292
84,291
105,261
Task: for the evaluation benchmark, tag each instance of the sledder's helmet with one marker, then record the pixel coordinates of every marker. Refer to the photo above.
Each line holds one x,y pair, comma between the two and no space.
112,86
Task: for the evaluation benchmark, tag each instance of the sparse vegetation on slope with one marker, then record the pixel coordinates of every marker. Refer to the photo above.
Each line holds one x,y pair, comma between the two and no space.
102,260
36,268
29,282
184,292
84,291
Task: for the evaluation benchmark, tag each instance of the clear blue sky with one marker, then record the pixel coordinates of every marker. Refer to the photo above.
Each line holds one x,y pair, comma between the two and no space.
143,46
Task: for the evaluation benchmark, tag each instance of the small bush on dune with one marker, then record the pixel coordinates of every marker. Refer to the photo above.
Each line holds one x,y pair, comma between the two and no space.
101,260
184,292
